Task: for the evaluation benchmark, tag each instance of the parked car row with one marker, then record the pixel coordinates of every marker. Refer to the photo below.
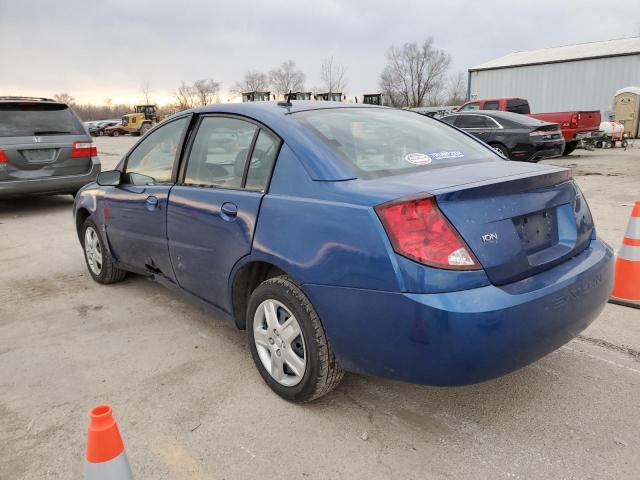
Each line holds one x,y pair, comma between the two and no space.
97,129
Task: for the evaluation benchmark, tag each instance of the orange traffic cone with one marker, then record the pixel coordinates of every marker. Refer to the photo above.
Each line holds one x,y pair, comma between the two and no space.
626,285
106,458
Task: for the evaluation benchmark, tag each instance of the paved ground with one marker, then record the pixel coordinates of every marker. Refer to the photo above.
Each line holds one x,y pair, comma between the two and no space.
192,406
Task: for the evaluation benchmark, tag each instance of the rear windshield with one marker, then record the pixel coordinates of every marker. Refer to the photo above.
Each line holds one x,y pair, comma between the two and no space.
379,142
27,119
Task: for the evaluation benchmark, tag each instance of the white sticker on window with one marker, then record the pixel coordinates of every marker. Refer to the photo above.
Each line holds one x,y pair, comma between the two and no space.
418,158
446,155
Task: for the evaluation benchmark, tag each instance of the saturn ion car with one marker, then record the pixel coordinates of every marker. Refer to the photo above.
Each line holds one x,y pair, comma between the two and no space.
352,238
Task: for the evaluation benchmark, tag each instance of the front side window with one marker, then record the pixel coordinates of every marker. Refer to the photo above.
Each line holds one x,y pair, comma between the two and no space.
153,159
219,152
380,142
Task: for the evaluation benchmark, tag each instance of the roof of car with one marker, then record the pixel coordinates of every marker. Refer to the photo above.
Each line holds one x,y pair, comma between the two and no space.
27,99
279,107
514,117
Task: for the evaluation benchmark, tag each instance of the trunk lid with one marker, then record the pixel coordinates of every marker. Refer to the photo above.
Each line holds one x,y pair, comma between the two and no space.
519,227
518,218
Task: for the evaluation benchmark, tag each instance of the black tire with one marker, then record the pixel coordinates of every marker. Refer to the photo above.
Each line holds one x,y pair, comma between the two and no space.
599,144
144,128
322,373
108,272
608,144
501,149
569,148
624,144
115,134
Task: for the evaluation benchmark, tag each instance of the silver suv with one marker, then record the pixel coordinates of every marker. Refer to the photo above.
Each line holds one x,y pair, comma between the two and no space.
44,148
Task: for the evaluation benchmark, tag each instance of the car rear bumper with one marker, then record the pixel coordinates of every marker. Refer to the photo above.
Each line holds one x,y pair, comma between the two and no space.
50,185
468,336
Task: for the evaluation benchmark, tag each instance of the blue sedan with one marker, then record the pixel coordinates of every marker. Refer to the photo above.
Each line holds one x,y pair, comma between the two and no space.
352,238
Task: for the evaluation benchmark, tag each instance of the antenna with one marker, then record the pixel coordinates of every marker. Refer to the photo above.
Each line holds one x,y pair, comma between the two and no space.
287,102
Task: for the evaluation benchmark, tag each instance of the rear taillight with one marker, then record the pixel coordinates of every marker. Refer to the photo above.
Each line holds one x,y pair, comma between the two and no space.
3,157
574,120
419,231
84,149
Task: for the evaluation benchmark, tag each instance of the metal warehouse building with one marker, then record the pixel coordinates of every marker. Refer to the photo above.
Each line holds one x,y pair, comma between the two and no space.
575,77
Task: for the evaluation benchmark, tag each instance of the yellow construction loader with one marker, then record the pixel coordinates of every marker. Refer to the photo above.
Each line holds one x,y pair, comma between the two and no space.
142,120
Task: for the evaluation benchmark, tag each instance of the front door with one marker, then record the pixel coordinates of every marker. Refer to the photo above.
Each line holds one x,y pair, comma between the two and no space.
213,211
136,211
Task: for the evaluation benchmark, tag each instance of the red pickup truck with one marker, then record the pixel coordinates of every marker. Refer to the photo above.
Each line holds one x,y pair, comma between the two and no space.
574,125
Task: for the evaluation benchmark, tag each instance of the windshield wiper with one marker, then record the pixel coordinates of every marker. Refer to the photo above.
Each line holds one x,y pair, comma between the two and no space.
49,132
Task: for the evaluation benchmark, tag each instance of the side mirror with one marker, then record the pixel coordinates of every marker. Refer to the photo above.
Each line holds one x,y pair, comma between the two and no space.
110,178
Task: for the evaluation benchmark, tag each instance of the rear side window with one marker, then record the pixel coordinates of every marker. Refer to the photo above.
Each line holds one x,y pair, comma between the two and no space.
32,118
474,121
379,142
470,107
262,159
518,105
491,105
219,152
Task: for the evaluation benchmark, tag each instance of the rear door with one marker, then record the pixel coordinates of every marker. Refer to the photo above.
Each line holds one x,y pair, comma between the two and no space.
213,211
135,212
38,140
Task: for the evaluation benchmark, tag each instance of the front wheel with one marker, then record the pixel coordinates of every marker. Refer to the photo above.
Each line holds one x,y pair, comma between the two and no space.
115,134
569,147
97,257
288,343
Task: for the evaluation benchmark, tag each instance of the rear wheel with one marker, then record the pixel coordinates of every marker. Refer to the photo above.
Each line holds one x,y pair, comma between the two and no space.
115,133
288,343
501,149
97,257
569,148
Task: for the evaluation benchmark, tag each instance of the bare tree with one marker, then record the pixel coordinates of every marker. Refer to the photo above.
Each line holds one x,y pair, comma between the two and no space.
333,75
65,98
252,82
456,89
286,78
413,72
185,96
206,91
145,89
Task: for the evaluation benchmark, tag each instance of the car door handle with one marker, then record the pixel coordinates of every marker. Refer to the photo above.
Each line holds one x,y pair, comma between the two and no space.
152,203
229,211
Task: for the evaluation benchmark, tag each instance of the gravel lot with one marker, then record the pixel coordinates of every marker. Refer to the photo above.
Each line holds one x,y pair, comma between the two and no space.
191,405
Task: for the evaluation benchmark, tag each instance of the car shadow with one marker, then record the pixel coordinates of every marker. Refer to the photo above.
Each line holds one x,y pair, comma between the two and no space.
385,402
35,205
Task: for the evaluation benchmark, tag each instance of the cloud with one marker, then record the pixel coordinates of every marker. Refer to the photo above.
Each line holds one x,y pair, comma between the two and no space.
108,48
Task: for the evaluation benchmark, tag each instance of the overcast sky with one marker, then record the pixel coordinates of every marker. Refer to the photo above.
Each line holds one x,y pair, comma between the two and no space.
99,49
